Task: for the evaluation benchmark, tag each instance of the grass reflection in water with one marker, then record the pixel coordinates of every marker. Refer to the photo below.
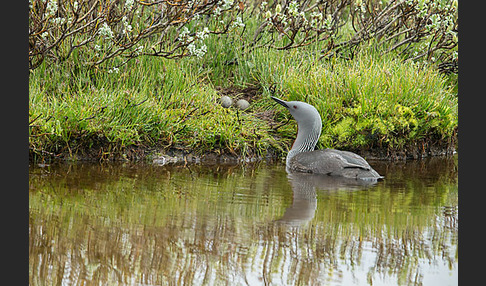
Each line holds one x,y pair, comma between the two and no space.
156,225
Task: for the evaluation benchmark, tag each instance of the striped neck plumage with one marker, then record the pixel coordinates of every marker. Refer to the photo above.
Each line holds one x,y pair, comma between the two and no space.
307,136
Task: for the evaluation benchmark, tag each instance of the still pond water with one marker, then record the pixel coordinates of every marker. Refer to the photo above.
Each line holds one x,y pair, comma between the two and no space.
140,224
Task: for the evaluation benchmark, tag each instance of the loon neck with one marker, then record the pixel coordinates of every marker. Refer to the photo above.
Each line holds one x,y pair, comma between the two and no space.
307,137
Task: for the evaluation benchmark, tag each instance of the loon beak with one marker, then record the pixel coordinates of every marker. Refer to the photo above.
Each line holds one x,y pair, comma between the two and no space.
279,101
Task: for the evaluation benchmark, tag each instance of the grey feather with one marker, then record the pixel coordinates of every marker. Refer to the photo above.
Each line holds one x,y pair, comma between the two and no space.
333,162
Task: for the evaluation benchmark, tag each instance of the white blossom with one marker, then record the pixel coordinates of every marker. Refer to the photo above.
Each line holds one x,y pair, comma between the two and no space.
113,70
293,8
58,20
127,28
304,19
238,22
51,8
316,18
129,4
192,48
227,4
201,51
105,31
203,34
138,50
197,52
183,33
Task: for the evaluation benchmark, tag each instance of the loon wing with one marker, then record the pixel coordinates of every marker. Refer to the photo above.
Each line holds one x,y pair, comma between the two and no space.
333,162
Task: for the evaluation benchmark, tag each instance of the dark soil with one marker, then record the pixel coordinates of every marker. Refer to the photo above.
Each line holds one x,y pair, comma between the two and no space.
180,154
249,93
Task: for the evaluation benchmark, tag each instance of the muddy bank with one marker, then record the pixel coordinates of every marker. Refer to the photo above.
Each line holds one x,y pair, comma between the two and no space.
182,155
413,151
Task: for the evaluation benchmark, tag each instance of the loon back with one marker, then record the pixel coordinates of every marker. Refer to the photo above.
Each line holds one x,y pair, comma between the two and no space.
333,162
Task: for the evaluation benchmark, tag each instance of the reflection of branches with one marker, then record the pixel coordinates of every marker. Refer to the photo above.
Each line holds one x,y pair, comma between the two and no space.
147,236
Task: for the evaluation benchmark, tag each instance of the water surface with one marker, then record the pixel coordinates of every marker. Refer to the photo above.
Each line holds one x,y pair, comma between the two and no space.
139,224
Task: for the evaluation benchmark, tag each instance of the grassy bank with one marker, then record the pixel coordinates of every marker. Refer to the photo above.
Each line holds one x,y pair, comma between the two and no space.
374,101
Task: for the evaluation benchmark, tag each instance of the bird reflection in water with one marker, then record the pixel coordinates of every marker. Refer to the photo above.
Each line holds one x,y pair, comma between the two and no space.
304,187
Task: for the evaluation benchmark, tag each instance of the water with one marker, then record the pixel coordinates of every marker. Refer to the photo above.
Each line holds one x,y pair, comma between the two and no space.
137,224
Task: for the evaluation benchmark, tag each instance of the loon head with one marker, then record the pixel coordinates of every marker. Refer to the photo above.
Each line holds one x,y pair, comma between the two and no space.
306,115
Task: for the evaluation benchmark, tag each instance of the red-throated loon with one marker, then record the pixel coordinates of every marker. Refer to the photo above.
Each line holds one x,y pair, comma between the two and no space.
303,158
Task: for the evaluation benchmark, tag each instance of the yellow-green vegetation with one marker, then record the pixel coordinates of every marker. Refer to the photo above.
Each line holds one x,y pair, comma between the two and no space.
369,97
152,102
372,101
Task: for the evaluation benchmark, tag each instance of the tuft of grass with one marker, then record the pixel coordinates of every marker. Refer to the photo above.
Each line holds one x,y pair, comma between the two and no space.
148,103
371,101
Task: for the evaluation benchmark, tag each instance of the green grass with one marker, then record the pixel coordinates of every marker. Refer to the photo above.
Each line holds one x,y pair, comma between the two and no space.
373,100
152,102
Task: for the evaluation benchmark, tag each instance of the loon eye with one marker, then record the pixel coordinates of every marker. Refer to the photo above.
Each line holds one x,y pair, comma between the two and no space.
295,106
